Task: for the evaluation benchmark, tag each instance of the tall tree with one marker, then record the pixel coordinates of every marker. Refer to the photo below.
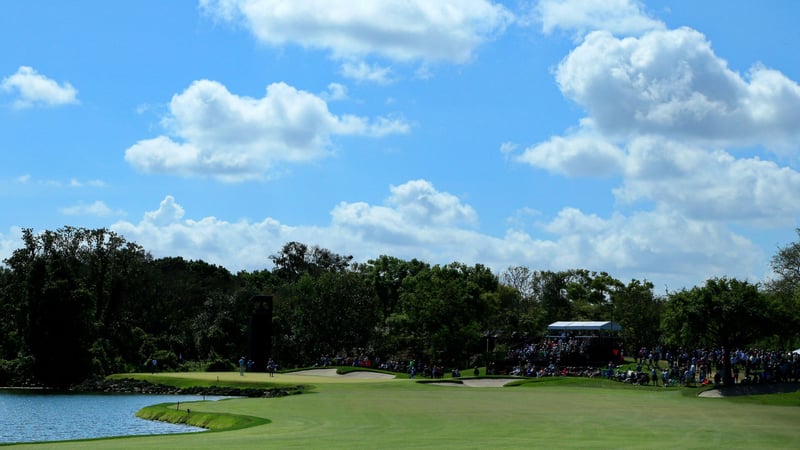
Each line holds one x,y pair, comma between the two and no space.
638,312
786,265
590,294
785,290
551,292
296,259
527,312
328,314
386,275
725,313
443,311
74,283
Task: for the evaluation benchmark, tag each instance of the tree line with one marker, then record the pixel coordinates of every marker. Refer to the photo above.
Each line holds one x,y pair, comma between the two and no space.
82,303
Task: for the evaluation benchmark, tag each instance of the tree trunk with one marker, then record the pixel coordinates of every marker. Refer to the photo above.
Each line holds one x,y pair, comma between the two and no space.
727,373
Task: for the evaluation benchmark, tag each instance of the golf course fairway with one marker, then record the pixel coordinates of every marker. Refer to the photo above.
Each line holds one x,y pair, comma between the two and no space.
341,411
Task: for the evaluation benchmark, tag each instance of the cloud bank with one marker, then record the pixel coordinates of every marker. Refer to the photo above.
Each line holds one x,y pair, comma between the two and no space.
212,132
392,30
418,221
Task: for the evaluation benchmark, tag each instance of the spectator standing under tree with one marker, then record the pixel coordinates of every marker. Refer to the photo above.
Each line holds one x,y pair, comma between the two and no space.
241,366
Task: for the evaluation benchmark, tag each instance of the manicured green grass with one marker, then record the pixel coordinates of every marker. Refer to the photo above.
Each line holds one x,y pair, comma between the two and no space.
172,413
207,379
339,412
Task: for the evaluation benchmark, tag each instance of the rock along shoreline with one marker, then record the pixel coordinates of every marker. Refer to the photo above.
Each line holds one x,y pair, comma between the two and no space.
132,386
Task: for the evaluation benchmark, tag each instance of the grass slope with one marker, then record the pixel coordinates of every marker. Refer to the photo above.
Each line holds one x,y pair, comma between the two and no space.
172,413
339,412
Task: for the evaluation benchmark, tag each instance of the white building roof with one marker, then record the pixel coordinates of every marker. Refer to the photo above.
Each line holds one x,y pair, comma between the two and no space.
589,325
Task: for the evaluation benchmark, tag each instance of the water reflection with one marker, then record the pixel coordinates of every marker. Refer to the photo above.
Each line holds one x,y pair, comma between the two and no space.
33,416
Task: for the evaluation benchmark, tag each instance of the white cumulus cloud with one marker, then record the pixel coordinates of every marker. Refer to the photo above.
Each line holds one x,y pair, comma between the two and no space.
34,89
621,17
575,156
97,208
362,71
667,115
396,30
671,83
418,221
212,132
710,185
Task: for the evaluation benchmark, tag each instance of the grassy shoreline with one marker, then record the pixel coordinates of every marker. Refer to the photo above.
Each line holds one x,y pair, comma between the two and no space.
344,412
173,413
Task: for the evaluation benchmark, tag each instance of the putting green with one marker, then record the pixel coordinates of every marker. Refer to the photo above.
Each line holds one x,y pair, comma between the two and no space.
343,412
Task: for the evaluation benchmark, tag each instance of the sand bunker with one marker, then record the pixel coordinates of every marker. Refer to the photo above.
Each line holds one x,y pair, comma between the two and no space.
478,382
469,382
317,372
751,389
332,373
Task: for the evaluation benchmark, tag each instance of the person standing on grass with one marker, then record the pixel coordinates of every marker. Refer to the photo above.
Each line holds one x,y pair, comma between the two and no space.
241,366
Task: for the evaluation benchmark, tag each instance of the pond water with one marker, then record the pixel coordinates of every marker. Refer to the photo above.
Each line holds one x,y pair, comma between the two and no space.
35,416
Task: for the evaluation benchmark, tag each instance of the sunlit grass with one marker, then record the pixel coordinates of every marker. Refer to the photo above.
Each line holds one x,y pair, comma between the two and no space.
340,412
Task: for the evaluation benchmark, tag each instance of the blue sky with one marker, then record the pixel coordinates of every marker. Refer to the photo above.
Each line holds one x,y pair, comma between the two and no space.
653,140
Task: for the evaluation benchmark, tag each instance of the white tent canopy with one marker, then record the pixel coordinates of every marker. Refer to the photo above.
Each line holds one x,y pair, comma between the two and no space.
584,326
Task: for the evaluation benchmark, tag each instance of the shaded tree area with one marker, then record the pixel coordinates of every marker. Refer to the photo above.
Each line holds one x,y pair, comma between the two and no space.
86,303
80,303
638,311
725,313
442,312
784,290
70,293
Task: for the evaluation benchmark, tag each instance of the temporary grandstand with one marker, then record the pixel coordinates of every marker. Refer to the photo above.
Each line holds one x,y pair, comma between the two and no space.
562,326
598,343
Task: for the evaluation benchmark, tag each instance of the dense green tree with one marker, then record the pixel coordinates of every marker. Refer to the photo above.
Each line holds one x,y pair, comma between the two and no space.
725,313
576,294
180,291
527,312
443,311
638,312
590,294
296,259
386,275
214,330
520,278
332,313
786,265
75,283
550,290
784,289
502,319
93,303
13,316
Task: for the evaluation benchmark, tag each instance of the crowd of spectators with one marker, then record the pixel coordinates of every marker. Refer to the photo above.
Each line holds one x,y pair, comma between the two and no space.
563,355
660,366
412,367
